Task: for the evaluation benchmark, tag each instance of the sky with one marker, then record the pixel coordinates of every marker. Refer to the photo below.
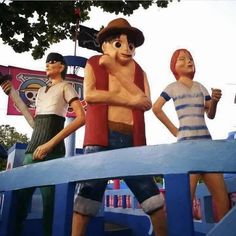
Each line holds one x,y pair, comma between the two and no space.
205,27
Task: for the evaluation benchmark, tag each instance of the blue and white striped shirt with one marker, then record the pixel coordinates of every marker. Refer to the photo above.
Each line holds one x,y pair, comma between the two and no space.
189,105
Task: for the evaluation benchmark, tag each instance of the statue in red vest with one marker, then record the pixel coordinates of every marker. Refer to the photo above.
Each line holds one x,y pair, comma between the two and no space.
117,94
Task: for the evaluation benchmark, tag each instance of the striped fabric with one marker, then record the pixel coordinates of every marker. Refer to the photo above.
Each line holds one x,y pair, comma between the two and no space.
189,105
51,108
46,127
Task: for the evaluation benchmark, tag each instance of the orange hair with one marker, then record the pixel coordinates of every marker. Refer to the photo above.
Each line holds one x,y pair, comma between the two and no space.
174,59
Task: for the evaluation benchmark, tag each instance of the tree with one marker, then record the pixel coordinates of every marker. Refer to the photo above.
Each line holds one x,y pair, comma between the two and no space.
8,137
35,25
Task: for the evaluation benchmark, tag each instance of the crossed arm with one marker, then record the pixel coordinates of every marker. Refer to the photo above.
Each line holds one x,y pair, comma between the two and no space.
131,96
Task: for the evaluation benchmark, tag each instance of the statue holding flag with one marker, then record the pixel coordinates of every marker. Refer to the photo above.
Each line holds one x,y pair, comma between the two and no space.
47,141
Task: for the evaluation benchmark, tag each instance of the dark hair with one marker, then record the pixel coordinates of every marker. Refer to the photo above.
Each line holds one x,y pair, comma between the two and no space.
115,36
54,56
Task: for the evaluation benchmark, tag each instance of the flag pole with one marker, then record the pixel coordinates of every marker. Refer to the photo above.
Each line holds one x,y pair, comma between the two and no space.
70,140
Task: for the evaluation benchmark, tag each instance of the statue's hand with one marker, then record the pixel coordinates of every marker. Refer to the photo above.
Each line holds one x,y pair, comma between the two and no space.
6,86
41,151
216,94
141,101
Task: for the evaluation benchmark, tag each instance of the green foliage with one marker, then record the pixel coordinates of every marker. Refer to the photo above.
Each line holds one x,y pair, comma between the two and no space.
8,137
159,179
3,164
35,25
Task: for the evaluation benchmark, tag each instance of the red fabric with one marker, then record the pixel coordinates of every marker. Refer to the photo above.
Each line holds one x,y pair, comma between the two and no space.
96,125
138,115
96,131
173,62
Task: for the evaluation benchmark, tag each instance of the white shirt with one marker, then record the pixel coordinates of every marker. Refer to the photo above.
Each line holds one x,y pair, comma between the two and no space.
55,99
189,105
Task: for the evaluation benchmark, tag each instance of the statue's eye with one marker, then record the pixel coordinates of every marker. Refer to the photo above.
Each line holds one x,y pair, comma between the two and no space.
131,46
117,44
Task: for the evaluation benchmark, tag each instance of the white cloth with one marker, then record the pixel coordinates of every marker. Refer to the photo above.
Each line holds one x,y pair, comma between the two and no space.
189,105
55,99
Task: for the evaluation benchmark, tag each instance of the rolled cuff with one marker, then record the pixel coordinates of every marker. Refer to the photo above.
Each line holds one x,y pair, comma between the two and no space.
86,206
153,203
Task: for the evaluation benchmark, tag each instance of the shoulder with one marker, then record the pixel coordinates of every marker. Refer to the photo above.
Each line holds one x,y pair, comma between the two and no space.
172,85
94,59
139,67
171,89
66,84
198,84
201,86
203,90
93,63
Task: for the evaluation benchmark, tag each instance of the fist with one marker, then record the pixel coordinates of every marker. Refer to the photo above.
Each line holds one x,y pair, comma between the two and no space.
142,102
216,94
6,86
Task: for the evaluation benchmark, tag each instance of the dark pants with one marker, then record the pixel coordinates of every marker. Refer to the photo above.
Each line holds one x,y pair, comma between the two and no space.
91,193
24,197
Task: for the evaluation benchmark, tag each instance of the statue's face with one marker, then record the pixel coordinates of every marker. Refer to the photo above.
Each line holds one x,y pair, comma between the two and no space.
54,68
184,64
120,48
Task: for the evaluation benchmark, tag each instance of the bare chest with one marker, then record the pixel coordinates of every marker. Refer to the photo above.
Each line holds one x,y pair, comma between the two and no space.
115,83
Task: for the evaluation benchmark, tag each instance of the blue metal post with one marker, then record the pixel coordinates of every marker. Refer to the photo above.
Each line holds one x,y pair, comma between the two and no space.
178,205
64,199
70,141
8,214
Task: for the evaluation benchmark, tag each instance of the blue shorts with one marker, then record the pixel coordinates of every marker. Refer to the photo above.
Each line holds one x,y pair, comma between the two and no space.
90,196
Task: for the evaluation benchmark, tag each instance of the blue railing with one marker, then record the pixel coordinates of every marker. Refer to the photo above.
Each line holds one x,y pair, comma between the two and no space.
122,207
173,161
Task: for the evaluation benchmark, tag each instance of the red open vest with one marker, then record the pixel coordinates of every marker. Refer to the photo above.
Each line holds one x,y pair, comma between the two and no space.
96,125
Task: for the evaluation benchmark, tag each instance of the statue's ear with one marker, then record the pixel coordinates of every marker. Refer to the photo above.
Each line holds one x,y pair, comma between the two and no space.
103,47
62,67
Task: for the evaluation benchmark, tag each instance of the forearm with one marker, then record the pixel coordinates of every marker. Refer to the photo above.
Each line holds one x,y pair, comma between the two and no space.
42,150
120,72
69,129
212,104
166,121
10,91
212,109
108,97
22,107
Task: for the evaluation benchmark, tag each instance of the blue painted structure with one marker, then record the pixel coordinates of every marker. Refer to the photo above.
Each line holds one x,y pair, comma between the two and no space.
117,210
174,161
232,135
73,62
